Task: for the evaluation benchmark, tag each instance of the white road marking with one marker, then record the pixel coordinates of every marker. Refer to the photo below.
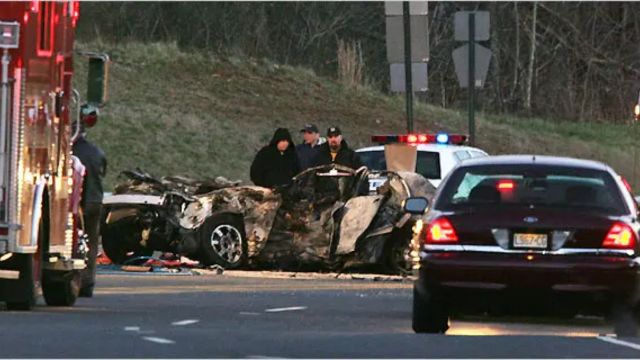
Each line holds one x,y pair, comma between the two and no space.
132,328
248,313
293,308
158,340
619,342
185,322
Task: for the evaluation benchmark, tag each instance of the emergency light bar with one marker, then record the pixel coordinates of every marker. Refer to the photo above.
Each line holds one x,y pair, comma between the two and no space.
440,138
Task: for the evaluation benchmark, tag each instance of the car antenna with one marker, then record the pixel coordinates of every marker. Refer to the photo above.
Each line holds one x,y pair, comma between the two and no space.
533,158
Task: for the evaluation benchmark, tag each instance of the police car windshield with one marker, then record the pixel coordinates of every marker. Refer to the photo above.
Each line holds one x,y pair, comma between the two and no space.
498,186
427,164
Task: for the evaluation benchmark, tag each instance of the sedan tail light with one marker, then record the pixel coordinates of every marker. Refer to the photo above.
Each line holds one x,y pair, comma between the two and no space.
440,231
621,236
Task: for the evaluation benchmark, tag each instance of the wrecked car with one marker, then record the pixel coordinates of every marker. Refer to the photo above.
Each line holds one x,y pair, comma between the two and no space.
326,219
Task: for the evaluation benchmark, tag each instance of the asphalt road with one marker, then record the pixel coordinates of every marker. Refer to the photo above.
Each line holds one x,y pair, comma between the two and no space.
146,316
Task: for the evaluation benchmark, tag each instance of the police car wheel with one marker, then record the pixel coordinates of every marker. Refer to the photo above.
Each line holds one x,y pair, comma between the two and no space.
430,314
223,242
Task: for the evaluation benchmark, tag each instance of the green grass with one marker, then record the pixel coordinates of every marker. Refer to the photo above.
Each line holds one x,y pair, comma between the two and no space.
176,112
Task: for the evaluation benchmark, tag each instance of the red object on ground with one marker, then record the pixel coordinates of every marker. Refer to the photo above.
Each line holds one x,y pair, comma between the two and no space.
103,259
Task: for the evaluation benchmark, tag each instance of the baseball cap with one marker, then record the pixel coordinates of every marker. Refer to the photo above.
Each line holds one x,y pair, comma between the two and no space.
309,128
334,131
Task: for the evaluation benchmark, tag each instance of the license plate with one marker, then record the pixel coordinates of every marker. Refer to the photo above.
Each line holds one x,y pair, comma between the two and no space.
537,241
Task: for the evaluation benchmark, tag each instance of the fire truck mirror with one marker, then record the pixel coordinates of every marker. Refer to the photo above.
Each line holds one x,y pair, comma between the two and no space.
98,80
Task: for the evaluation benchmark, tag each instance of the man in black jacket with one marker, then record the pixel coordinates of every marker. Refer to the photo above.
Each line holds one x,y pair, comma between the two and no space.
95,162
276,163
336,151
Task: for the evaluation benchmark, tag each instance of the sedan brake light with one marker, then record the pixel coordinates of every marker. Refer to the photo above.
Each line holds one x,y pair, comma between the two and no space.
440,231
506,185
621,236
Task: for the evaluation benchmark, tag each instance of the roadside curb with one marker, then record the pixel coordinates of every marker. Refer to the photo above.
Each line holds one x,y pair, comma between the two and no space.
305,275
258,274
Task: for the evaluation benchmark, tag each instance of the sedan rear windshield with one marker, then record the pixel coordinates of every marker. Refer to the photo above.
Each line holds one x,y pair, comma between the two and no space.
427,164
527,185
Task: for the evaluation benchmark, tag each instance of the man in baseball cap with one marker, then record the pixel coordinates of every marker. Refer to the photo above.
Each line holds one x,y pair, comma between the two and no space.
336,151
308,150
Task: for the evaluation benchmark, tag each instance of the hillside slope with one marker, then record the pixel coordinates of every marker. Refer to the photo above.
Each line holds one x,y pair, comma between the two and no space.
173,112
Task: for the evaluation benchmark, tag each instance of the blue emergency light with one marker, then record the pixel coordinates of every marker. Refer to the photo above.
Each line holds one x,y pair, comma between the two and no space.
442,138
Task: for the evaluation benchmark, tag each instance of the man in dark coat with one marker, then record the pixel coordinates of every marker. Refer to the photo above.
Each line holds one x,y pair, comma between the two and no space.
276,163
336,151
95,162
308,150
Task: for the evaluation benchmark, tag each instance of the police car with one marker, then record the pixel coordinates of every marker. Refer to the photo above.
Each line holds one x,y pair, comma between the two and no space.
431,155
528,235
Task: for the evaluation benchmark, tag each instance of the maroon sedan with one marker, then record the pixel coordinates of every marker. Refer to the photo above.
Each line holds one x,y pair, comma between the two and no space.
528,235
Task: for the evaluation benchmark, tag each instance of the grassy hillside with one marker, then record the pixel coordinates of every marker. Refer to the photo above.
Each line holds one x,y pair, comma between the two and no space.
172,112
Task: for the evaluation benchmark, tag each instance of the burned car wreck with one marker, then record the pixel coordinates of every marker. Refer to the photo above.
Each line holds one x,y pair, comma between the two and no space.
326,219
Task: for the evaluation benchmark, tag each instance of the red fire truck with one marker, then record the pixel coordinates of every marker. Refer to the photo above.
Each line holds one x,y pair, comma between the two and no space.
40,246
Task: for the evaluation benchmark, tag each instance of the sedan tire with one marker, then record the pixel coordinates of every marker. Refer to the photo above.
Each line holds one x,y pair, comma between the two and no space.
223,242
429,312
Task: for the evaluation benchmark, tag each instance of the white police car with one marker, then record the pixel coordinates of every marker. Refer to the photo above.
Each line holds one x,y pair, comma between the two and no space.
435,155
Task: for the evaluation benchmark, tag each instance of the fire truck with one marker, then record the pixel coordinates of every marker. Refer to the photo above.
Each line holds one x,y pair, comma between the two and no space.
41,249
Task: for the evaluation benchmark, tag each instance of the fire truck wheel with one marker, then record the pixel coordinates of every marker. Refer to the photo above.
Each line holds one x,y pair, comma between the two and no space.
223,241
28,283
60,288
21,305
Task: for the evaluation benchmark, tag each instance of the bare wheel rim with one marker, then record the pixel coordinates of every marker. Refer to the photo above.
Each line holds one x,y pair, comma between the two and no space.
226,241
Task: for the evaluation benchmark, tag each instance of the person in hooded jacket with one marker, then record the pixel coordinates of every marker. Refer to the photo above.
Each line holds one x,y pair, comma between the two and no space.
276,164
336,151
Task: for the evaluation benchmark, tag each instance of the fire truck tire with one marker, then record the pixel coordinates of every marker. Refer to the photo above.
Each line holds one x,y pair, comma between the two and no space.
223,241
27,288
60,288
21,305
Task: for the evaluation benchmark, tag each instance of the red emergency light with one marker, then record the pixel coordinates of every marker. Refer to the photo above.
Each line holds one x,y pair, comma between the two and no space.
439,138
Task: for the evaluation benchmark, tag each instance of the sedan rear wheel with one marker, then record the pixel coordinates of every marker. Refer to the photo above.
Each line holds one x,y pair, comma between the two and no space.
429,312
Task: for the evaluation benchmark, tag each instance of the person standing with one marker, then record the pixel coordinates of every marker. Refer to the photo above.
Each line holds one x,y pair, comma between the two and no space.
95,162
275,164
336,151
308,150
